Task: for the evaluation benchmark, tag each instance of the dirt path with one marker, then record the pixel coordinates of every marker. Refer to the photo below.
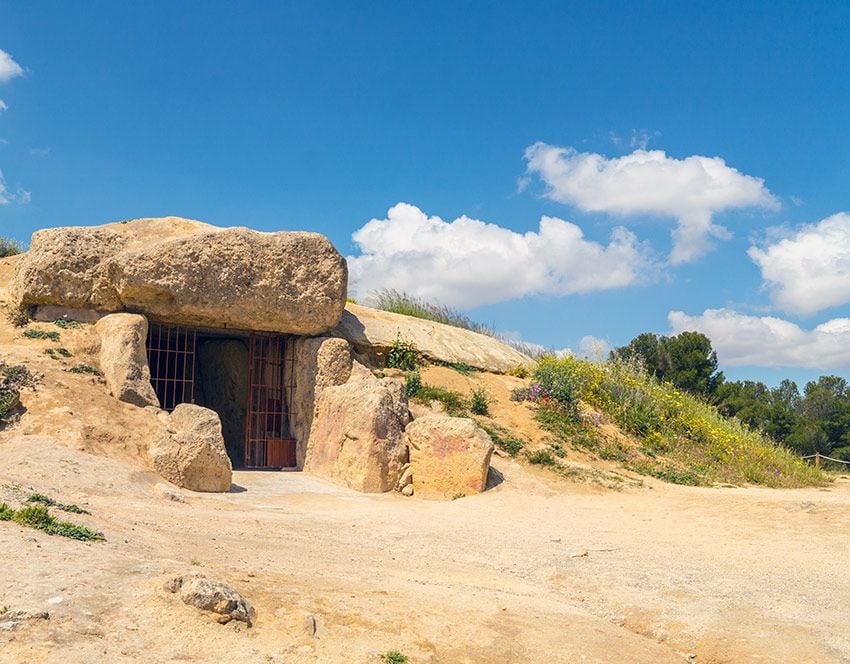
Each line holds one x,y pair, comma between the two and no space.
727,575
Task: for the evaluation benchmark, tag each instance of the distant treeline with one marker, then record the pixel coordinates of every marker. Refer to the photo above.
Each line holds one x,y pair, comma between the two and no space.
816,420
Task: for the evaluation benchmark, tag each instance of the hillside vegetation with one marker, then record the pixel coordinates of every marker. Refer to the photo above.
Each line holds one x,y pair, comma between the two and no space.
681,438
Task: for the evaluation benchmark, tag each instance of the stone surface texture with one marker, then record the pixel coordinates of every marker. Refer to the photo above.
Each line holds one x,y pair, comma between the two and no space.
357,435
373,332
213,596
189,450
449,456
320,362
186,272
123,358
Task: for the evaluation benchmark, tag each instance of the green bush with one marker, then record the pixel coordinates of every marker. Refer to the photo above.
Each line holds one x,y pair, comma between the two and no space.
412,384
519,371
542,457
402,355
10,247
13,378
18,317
479,403
394,657
559,382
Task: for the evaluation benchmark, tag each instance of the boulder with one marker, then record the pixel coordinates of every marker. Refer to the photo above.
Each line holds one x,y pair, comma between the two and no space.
213,596
185,272
357,435
373,332
189,451
123,358
320,362
449,456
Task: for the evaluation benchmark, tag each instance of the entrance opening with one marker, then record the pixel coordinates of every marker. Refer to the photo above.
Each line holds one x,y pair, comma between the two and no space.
244,377
268,441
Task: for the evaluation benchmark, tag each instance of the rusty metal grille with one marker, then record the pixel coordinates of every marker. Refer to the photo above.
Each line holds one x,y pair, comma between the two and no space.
171,357
268,442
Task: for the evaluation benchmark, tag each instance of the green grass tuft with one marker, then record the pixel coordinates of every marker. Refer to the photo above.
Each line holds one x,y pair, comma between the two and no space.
394,657
503,439
38,517
453,402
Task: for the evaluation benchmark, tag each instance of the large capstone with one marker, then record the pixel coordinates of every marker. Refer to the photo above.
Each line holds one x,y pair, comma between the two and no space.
186,272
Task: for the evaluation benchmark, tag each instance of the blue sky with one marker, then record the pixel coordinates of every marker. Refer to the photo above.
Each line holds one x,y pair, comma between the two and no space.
324,116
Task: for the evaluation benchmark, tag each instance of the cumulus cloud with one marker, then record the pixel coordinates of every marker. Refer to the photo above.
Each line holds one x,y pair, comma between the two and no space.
6,196
765,341
809,269
690,190
467,262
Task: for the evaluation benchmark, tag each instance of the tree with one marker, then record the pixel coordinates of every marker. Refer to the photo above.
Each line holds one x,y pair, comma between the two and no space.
687,360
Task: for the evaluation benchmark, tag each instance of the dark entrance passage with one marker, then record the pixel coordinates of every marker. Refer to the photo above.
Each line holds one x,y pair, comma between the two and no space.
241,376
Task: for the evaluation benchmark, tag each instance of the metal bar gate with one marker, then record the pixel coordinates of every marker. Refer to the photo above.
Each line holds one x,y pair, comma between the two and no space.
171,358
268,442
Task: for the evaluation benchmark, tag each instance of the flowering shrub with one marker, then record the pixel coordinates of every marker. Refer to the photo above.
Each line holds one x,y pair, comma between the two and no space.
698,444
12,380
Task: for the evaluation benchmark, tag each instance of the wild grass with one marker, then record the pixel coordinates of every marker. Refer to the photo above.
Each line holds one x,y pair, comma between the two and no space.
399,302
453,402
47,501
502,438
394,657
38,516
682,438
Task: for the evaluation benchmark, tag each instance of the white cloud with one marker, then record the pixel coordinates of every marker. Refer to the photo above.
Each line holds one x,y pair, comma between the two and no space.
6,196
9,69
690,190
3,106
808,270
765,341
467,262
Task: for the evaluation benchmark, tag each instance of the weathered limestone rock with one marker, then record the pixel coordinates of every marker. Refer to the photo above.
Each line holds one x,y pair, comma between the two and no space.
188,273
123,358
449,456
373,332
357,436
218,598
189,451
320,362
